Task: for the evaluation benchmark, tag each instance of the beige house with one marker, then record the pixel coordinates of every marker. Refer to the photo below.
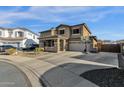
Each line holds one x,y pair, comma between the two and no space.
65,38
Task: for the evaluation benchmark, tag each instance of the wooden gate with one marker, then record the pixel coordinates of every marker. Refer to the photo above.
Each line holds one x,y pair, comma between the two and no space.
115,48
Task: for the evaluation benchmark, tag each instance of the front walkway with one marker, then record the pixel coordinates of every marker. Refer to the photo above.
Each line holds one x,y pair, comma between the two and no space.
56,69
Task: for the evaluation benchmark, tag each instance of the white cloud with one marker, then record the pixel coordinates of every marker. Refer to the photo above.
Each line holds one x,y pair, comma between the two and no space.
59,14
60,9
6,22
44,14
55,14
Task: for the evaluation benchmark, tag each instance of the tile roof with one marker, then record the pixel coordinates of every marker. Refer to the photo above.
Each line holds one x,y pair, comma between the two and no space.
68,26
25,29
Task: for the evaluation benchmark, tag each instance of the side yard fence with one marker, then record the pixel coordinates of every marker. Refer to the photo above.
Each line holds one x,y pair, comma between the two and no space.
115,48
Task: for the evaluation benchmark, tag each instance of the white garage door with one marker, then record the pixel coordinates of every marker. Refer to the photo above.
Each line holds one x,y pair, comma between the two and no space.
76,46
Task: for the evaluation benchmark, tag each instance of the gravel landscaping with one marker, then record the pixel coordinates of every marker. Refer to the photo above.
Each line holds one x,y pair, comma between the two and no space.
110,77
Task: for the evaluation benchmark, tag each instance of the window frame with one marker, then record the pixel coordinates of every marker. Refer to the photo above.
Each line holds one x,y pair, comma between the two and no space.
49,43
61,32
20,34
73,31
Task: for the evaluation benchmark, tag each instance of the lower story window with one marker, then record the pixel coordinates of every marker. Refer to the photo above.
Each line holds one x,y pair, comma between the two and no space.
49,43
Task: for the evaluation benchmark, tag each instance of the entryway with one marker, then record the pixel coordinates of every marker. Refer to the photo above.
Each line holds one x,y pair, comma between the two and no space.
61,45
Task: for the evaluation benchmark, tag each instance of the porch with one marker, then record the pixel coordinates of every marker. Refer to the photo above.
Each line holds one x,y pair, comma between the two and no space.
54,44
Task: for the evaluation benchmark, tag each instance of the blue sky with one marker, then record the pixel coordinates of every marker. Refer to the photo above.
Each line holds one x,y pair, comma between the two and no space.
105,22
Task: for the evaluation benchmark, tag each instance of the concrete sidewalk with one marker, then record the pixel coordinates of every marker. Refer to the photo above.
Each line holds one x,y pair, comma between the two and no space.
57,70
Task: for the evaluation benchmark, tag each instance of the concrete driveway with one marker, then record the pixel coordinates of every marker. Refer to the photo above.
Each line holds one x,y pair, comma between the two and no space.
102,57
68,69
66,57
11,76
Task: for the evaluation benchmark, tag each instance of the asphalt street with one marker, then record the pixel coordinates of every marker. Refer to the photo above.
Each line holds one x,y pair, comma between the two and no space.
11,76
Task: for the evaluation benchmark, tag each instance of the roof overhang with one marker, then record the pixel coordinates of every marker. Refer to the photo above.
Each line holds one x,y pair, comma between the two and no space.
53,37
12,39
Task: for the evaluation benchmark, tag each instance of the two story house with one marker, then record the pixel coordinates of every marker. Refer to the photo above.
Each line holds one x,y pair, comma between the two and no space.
65,37
17,37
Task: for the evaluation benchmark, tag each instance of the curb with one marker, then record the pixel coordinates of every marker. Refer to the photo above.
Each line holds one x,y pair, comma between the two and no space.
32,76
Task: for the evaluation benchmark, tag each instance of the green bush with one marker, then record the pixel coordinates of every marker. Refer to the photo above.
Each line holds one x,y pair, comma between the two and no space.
38,50
11,51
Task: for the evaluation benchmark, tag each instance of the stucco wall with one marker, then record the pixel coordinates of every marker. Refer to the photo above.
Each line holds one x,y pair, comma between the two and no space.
85,33
47,34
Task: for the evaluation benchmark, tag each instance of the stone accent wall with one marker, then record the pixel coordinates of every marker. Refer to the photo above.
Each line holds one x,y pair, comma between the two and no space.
66,32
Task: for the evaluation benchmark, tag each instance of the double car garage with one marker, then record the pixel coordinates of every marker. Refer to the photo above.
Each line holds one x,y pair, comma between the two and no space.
78,46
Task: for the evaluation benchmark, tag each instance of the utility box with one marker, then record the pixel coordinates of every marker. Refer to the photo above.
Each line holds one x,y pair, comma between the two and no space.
122,47
121,61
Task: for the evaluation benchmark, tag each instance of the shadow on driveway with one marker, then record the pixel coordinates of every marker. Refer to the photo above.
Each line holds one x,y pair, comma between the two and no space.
83,75
102,57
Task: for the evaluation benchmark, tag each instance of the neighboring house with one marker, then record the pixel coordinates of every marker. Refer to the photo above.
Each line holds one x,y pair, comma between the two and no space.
120,41
65,37
94,43
17,37
108,42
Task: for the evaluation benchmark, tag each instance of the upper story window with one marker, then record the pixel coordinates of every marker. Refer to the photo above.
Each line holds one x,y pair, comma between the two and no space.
75,31
20,34
62,31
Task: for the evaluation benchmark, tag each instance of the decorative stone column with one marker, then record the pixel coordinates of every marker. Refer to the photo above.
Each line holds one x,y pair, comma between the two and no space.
64,45
58,45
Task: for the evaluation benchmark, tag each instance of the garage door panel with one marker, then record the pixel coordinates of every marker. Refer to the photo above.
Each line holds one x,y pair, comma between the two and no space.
76,46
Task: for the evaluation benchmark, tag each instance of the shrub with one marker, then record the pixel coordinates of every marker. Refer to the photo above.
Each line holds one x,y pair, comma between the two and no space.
38,50
11,51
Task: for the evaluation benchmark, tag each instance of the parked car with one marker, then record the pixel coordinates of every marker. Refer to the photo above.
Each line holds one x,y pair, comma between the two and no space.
31,48
3,48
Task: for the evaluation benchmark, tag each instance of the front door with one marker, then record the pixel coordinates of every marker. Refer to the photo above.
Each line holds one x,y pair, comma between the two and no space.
61,45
